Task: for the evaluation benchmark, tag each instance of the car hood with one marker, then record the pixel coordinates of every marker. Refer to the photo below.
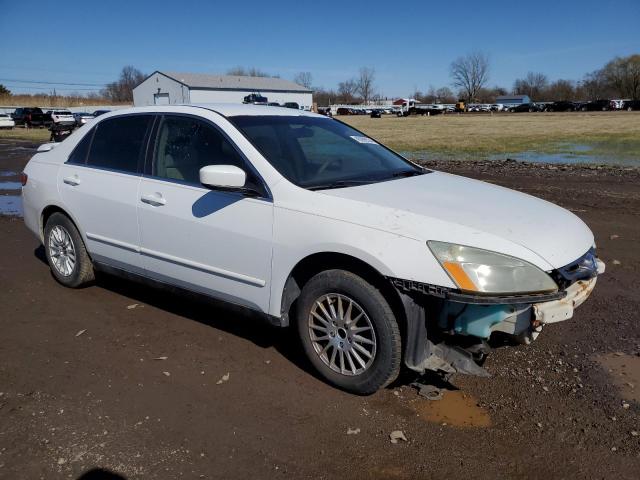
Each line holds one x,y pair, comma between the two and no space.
445,207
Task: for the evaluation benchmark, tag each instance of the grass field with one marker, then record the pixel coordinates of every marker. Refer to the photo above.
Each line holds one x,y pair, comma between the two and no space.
605,133
30,134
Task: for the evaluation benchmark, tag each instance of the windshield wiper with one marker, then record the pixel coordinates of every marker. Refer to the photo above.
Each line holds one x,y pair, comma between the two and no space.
407,173
339,184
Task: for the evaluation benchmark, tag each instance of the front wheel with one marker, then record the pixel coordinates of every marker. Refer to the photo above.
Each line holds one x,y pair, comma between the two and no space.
66,253
349,332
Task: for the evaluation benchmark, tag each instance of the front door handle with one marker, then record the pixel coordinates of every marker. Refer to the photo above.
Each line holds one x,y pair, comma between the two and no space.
73,180
153,199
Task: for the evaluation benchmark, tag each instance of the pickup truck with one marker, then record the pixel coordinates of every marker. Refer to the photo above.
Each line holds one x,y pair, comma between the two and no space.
31,117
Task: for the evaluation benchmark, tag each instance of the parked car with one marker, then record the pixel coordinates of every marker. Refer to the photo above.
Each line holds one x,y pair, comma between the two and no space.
345,111
618,103
525,107
561,106
293,105
31,117
62,117
82,118
97,113
375,113
326,111
630,105
256,99
595,106
375,261
6,122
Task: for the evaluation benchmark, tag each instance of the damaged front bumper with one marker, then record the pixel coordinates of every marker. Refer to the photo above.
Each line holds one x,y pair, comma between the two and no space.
447,331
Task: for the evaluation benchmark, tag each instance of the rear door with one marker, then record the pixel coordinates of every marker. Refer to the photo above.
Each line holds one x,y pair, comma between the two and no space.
212,241
99,184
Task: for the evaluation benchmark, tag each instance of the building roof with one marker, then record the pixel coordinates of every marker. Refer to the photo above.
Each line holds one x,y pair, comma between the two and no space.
235,82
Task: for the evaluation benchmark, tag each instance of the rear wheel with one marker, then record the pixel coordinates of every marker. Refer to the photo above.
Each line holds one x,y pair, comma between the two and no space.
349,332
66,253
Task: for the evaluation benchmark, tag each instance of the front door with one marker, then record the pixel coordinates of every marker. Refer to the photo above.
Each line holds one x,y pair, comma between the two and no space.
211,241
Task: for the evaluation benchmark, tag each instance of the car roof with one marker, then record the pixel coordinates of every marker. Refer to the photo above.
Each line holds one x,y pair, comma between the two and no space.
225,109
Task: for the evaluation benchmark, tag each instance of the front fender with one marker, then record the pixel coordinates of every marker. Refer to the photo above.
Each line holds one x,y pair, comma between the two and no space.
297,235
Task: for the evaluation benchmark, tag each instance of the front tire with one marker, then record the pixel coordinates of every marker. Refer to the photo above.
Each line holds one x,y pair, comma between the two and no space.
349,332
67,256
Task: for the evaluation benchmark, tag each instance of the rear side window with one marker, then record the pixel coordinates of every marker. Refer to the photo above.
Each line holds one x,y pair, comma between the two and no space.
118,143
79,154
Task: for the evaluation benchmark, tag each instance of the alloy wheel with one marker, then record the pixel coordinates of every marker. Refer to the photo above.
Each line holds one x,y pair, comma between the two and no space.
342,334
62,251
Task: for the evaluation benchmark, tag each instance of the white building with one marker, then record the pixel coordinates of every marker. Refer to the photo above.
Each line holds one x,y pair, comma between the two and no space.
164,88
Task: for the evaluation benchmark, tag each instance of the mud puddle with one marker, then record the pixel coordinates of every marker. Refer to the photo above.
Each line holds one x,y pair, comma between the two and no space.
11,205
624,371
10,185
456,408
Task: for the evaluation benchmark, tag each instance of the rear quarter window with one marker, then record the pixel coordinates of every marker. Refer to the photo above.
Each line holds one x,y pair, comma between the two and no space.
79,154
119,143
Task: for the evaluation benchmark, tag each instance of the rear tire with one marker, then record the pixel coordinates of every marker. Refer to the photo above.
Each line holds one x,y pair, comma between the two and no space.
349,332
67,256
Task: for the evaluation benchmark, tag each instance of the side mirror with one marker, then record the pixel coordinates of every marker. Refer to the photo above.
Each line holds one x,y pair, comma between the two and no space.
46,147
222,176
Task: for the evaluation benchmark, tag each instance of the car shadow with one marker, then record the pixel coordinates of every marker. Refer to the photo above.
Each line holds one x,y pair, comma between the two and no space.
238,321
211,202
100,474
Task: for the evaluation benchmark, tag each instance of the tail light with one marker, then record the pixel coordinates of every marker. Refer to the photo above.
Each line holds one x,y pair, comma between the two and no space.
23,178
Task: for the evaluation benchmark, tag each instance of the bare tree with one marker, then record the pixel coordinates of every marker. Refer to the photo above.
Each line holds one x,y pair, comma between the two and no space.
241,71
560,90
533,85
347,90
444,95
4,91
304,78
594,86
470,73
364,83
323,97
623,74
121,90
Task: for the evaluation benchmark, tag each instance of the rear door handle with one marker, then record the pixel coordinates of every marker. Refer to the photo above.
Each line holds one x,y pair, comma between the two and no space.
73,180
153,199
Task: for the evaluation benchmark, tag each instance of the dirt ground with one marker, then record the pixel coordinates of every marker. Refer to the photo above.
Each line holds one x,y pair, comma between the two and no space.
121,378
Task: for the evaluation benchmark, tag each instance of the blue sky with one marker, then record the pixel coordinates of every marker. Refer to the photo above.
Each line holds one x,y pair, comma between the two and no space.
409,43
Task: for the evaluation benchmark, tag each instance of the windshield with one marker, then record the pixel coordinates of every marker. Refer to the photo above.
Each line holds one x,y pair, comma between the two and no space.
318,153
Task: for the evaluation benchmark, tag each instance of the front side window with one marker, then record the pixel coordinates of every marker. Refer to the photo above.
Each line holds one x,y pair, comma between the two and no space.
318,153
118,143
185,144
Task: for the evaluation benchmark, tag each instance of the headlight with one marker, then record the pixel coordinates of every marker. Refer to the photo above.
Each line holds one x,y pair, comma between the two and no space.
483,271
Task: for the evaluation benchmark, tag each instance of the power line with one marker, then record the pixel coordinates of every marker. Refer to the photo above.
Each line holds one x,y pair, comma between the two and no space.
53,83
49,88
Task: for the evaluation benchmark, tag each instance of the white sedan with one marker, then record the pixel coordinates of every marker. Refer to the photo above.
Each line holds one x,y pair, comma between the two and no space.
376,261
6,121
